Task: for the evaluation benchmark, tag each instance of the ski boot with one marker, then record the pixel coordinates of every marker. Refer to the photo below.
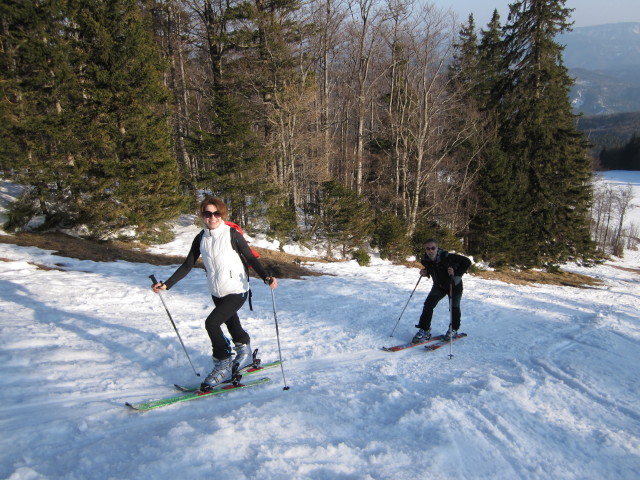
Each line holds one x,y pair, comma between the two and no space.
243,356
450,334
422,336
222,371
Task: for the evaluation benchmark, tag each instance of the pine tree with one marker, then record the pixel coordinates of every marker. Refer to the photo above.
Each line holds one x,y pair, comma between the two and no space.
346,217
491,65
463,69
548,155
232,161
92,120
476,69
37,83
491,236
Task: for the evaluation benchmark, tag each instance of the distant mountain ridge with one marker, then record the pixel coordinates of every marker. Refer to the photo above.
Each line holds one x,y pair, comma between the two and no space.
610,47
605,62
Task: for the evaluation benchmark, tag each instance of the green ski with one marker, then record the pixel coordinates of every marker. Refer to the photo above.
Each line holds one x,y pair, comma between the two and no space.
225,388
244,372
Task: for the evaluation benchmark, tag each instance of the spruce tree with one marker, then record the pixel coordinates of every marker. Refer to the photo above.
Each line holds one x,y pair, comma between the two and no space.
346,217
547,155
491,237
37,81
92,118
463,69
476,69
491,65
231,163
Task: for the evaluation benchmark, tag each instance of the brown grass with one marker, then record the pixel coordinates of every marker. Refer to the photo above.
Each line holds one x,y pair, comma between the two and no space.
529,277
282,264
627,269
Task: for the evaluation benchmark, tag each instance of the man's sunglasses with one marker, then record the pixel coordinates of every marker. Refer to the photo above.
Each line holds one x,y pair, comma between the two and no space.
208,214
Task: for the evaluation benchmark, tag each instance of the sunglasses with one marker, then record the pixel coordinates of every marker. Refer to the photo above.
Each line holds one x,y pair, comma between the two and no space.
208,214
431,248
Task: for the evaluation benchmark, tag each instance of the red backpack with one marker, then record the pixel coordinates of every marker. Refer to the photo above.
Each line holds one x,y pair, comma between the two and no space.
237,227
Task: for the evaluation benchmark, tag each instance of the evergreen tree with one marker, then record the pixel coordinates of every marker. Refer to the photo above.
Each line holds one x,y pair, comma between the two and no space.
390,236
490,235
491,65
346,217
547,155
37,87
477,68
232,166
463,69
92,124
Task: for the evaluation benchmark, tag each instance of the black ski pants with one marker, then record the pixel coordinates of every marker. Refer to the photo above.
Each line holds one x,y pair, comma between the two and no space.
226,312
435,295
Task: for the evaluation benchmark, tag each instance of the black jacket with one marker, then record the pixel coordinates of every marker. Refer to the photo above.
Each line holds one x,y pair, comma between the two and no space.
438,269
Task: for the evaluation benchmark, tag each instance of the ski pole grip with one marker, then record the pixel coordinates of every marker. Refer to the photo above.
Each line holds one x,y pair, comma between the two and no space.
269,276
153,279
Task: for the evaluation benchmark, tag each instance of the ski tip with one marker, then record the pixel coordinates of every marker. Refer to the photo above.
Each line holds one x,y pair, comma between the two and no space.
389,349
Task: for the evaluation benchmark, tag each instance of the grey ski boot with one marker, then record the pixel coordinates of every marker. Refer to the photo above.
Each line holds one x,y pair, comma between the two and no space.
221,372
244,356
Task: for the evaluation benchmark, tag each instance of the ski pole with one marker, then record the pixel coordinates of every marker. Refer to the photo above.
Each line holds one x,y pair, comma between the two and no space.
153,279
275,316
451,317
405,307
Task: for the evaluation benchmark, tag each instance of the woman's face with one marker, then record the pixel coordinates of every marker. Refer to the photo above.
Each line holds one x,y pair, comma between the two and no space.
211,217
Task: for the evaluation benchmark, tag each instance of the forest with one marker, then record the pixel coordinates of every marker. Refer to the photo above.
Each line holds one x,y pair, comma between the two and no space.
353,123
609,131
626,157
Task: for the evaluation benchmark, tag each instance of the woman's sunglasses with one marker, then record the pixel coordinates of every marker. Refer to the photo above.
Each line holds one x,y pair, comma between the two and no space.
208,214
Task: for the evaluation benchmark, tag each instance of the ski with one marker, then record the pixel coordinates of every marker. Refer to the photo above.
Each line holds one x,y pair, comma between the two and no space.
243,372
404,346
225,388
442,342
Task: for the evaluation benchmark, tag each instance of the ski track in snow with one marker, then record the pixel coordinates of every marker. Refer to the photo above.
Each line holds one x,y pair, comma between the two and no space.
544,386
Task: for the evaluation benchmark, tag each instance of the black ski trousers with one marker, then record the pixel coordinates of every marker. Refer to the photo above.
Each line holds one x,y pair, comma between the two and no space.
226,312
435,295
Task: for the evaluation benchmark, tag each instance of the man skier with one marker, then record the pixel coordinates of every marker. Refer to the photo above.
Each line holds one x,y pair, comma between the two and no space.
446,270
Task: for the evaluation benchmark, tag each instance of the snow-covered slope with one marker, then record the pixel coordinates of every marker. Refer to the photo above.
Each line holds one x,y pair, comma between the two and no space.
545,385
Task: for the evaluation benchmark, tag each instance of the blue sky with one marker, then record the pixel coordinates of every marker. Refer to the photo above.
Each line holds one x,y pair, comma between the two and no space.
586,13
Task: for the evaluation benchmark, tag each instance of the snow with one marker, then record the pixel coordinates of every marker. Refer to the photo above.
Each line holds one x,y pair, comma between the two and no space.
544,386
620,179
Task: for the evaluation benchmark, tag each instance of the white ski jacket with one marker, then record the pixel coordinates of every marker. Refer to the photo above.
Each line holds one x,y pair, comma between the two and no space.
226,273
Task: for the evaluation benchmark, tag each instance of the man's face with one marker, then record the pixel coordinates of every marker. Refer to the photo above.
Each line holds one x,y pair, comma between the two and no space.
431,249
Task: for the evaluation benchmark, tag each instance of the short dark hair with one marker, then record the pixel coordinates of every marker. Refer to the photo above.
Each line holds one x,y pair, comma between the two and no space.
431,240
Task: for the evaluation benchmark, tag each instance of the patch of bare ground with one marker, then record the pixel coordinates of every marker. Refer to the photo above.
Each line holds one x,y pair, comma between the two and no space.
531,277
628,269
281,264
